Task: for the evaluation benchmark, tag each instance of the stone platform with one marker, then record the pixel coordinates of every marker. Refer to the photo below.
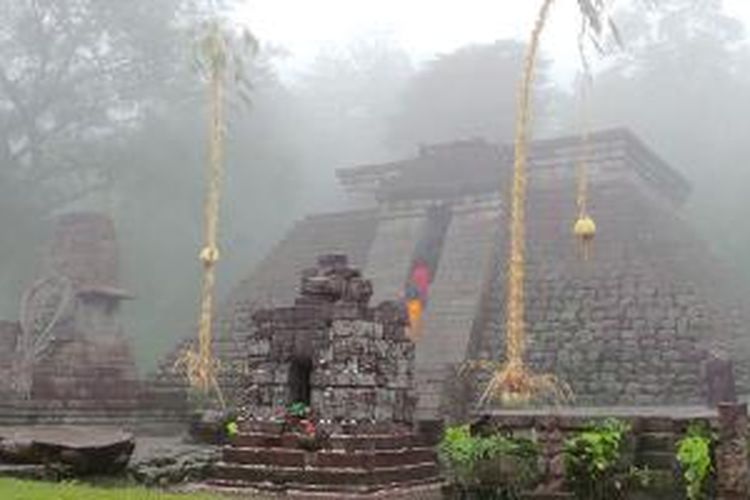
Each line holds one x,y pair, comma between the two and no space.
266,458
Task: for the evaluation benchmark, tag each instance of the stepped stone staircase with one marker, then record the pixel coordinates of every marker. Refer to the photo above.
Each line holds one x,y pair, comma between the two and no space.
454,299
262,456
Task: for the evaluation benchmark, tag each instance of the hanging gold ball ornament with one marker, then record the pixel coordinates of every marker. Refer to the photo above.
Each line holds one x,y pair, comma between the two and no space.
585,228
209,255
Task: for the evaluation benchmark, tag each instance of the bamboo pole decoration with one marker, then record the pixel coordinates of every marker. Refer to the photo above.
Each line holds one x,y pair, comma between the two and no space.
200,365
209,255
512,382
515,322
222,53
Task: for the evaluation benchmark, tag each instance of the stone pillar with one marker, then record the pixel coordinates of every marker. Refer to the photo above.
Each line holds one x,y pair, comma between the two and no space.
720,381
552,439
733,481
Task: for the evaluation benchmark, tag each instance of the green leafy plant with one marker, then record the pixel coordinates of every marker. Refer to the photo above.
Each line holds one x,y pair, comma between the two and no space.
640,477
231,428
297,410
298,418
593,459
694,457
495,466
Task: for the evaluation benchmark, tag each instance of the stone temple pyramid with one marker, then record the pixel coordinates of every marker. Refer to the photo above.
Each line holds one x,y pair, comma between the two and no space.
635,323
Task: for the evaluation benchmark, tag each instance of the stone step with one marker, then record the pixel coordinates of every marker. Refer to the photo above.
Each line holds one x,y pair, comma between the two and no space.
327,477
656,441
337,441
89,417
421,489
547,496
72,404
93,411
325,458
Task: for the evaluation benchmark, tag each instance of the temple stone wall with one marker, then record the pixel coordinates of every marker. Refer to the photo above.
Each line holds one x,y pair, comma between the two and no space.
623,327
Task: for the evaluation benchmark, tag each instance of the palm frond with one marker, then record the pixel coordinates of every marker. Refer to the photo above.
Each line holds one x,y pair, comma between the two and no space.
598,23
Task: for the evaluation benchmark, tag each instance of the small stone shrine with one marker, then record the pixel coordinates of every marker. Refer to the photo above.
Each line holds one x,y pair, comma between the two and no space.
348,370
67,360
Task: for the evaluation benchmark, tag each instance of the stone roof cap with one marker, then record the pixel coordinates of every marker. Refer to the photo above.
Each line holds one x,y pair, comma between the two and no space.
476,166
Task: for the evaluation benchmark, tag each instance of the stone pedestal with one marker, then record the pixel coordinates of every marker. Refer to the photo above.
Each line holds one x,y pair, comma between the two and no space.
733,481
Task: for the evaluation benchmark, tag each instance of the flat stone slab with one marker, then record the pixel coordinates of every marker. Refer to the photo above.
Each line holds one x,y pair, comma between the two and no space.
68,436
84,450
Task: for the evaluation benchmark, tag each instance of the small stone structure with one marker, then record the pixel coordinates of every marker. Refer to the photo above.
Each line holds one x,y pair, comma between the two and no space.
353,366
89,357
82,369
330,351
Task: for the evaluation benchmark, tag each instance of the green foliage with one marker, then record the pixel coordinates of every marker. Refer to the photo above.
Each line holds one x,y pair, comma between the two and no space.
232,429
298,410
694,456
640,477
593,458
468,93
501,466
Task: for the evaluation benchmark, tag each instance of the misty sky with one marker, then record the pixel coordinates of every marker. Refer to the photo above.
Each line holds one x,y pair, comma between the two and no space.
422,27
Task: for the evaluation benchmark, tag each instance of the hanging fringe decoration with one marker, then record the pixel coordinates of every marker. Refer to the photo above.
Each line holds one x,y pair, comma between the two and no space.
584,227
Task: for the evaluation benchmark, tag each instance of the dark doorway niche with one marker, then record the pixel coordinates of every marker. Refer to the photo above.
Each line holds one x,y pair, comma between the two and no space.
300,371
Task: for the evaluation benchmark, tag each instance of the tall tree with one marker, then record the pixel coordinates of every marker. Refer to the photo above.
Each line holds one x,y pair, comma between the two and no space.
76,75
72,77
682,86
344,99
468,93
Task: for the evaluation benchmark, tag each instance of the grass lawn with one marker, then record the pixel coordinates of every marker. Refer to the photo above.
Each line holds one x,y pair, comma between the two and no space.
13,489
